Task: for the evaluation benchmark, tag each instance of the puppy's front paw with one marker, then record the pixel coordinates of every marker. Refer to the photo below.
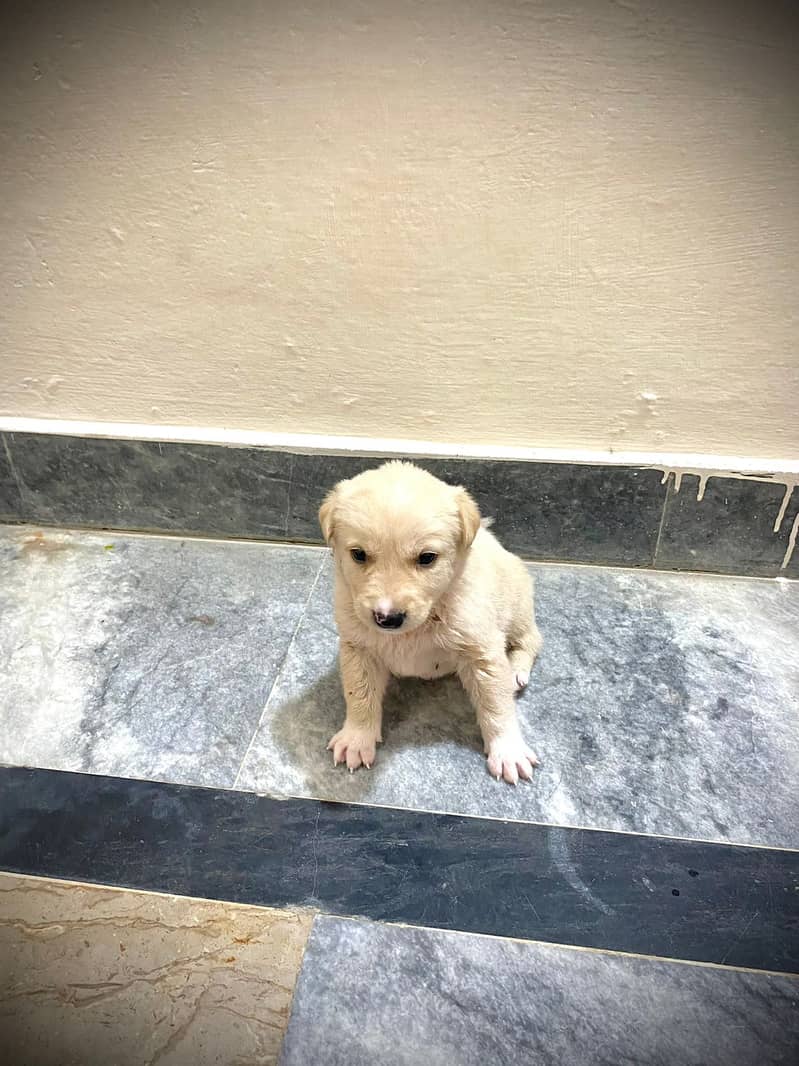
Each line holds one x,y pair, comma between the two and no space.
510,758
354,746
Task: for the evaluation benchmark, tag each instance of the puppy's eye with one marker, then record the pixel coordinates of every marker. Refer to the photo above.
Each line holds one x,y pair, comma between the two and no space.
358,554
427,558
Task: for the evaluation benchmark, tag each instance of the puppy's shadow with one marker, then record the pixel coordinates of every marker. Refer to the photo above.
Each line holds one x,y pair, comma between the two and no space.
419,717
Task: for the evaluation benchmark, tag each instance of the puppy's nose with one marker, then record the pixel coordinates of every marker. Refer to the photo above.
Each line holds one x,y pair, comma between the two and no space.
390,620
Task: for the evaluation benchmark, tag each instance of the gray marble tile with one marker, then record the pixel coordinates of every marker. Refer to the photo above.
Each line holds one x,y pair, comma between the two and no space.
184,488
730,530
372,993
141,656
661,703
10,501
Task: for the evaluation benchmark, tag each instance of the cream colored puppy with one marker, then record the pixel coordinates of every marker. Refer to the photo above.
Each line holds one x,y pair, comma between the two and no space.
424,590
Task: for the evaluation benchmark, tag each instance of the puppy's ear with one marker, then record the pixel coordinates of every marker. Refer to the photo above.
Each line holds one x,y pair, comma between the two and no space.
327,514
469,516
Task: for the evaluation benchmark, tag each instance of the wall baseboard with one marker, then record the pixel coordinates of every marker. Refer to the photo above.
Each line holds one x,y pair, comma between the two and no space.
773,469
719,514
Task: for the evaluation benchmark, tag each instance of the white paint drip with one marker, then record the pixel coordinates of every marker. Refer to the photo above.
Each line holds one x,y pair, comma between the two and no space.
791,543
783,507
789,480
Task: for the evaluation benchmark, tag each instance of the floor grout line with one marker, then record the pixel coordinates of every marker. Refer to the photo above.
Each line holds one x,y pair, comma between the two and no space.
279,672
282,797
722,967
314,546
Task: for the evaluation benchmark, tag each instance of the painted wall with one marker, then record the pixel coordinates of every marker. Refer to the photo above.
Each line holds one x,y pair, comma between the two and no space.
543,224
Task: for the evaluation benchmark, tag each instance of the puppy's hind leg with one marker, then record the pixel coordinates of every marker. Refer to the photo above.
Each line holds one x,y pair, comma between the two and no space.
487,679
522,653
524,637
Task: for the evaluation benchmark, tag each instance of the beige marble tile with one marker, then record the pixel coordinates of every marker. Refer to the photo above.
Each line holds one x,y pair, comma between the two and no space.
93,975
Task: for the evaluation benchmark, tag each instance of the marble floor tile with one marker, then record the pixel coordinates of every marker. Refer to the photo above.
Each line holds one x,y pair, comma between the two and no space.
386,994
97,975
141,656
661,703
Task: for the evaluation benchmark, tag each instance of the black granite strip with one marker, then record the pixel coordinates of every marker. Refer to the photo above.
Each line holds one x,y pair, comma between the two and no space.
563,511
650,895
10,499
572,512
600,514
589,514
730,530
145,485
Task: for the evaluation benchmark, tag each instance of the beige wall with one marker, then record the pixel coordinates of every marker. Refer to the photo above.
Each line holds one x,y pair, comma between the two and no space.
543,224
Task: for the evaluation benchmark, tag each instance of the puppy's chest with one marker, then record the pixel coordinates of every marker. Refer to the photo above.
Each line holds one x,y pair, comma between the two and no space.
417,658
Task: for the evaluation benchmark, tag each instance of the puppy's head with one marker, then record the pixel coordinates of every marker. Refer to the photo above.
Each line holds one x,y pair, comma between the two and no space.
400,537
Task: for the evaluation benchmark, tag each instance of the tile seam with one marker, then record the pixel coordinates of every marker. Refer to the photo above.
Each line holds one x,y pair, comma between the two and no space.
279,672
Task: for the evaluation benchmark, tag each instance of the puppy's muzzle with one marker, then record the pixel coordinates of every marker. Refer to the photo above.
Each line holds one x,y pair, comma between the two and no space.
393,620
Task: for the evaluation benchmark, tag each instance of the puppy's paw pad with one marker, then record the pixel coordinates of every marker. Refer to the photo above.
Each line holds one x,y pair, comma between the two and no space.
355,747
521,679
509,759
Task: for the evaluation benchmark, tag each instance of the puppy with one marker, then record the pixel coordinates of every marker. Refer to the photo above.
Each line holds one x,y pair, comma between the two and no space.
422,589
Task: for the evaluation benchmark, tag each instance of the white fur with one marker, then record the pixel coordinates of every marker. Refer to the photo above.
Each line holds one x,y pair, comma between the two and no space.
470,613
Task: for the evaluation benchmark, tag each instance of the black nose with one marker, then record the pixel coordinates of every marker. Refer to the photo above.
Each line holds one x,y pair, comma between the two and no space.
389,621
